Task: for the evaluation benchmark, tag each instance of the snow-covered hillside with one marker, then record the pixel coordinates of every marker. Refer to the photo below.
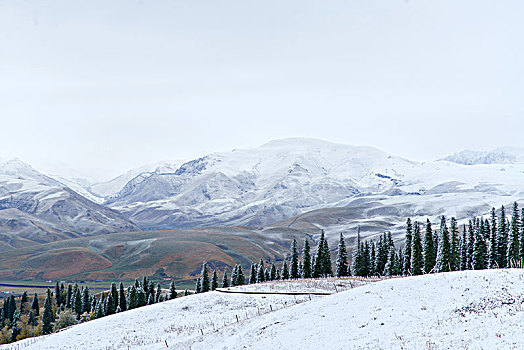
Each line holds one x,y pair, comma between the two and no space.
35,208
457,310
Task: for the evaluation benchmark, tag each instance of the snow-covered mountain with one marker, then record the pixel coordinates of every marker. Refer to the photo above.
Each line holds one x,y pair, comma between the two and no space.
289,177
35,208
502,155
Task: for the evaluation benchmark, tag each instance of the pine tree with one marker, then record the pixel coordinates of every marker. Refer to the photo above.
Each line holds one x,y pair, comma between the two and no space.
151,299
47,317
444,250
365,259
241,279
122,302
285,270
86,301
416,263
429,249
225,281
407,251
266,275
471,245
234,276
455,249
198,286
479,252
342,259
69,296
253,274
23,302
133,298
261,276
273,272
306,261
389,269
58,295
172,290
214,280
293,273
34,305
463,250
513,245
158,294
502,238
78,300
357,256
205,284
372,261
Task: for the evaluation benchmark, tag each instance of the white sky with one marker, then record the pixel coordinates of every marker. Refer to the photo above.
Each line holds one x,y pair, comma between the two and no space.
104,86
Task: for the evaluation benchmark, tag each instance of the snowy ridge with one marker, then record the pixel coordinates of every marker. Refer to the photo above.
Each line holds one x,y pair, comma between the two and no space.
467,309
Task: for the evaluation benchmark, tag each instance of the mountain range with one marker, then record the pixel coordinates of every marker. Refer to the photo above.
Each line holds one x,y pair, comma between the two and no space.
298,183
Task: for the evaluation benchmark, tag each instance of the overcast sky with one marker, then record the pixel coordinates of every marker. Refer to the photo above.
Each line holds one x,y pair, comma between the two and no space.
105,86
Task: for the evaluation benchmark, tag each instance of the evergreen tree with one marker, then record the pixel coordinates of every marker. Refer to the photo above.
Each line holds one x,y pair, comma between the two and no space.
172,290
234,276
513,245
416,263
493,244
323,260
35,306
407,251
69,296
58,295
471,245
86,300
372,261
365,259
241,279
15,329
151,299
133,297
502,238
225,280
306,261
122,302
293,273
266,274
100,309
479,252
429,249
214,281
273,272
205,284
443,263
23,302
342,259
357,256
77,301
141,297
110,308
198,286
285,270
47,317
390,268
261,276
158,294
463,251
253,274
455,245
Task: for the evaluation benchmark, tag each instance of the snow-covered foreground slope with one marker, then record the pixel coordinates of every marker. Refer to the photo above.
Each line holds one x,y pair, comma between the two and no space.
459,310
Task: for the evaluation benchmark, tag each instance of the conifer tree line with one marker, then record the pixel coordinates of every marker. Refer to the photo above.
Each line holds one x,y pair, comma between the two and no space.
72,304
494,242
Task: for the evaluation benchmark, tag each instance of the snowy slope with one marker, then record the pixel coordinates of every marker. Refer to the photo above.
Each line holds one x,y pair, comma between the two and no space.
458,310
35,208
